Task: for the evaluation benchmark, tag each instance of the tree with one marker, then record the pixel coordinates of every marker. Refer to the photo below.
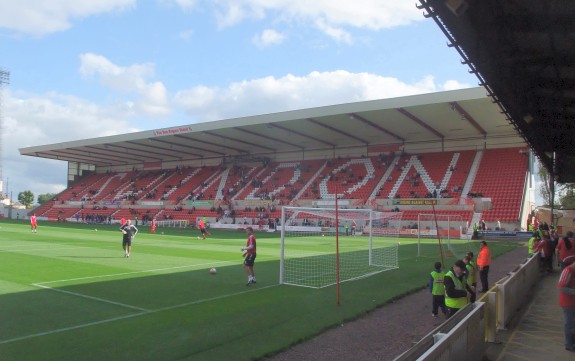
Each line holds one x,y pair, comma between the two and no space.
564,192
26,198
43,198
544,189
567,196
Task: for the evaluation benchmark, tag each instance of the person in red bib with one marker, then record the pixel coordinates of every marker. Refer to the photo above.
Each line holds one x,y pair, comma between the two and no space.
153,228
250,256
202,227
565,250
33,223
566,286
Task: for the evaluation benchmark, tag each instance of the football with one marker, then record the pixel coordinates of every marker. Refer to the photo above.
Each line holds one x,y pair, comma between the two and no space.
213,271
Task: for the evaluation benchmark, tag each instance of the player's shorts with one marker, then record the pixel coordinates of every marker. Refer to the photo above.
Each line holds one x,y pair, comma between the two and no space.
203,230
250,259
34,224
126,242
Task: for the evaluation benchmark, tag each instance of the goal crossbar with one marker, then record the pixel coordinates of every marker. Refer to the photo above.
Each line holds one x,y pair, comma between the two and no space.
367,242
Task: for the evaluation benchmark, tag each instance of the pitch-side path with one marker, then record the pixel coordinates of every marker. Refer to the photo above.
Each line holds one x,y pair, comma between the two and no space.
392,329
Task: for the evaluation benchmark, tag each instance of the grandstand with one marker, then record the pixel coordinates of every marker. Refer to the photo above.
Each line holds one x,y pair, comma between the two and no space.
452,150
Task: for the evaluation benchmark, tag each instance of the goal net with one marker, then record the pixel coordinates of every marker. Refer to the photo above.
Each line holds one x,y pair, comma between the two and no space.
442,234
368,244
173,223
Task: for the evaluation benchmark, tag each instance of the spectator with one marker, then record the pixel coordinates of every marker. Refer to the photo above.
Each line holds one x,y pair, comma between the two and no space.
565,251
566,287
545,254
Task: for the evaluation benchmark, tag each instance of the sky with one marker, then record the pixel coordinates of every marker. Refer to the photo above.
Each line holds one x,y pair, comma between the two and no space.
92,68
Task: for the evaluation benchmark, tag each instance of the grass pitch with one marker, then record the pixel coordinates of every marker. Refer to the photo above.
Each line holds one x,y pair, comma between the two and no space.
67,293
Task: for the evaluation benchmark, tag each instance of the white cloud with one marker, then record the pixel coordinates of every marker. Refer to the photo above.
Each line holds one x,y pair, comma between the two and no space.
153,97
369,14
39,17
37,119
454,85
229,13
268,37
336,33
184,4
291,92
186,34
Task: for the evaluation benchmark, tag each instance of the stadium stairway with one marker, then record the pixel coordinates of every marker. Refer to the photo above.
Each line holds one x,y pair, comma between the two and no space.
537,334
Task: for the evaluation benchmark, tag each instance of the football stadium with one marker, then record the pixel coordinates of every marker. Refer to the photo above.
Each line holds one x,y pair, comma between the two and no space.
350,204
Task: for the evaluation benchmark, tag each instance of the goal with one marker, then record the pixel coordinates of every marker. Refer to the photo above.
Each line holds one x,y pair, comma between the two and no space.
173,223
442,234
312,256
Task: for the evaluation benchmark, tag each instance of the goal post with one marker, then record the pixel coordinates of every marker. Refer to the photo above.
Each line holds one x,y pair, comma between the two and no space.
442,230
173,223
367,240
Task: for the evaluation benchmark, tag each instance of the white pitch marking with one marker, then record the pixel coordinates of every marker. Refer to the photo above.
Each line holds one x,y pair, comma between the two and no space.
210,299
60,330
135,272
91,297
38,249
70,328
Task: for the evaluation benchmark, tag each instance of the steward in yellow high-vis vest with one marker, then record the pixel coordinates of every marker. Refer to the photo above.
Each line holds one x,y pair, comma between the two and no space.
456,290
437,290
471,277
533,243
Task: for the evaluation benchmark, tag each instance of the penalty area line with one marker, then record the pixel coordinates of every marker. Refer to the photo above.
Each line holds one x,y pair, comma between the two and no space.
91,298
133,273
149,312
71,328
23,250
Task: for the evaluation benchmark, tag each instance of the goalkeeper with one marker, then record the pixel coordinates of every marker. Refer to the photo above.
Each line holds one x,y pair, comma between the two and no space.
129,232
250,256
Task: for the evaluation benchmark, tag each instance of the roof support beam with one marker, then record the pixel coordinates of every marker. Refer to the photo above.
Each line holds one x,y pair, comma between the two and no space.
239,141
373,125
420,122
333,129
302,134
135,152
217,145
468,117
172,146
268,137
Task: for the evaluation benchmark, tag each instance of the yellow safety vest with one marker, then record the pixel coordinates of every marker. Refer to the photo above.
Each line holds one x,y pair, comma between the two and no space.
470,274
438,288
455,302
530,245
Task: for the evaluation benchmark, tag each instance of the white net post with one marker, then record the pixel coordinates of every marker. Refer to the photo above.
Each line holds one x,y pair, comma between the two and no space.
450,232
283,231
367,245
370,239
